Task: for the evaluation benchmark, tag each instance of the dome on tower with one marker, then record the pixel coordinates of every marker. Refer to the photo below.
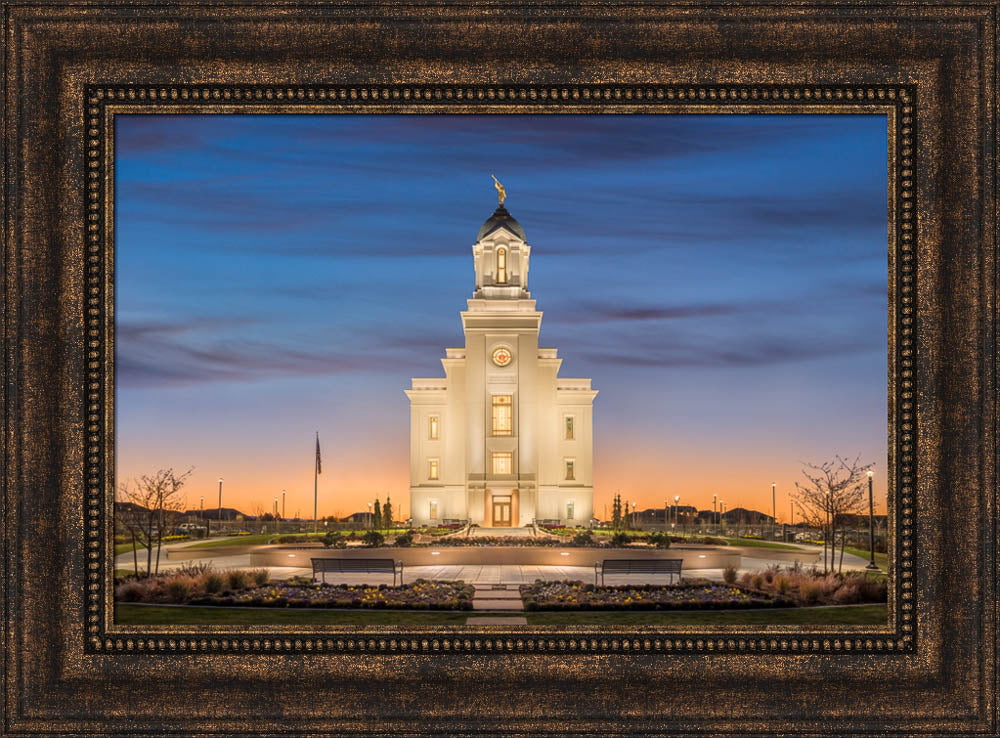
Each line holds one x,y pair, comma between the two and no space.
501,219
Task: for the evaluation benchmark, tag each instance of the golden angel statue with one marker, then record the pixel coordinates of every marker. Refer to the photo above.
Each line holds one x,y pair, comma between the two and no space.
501,192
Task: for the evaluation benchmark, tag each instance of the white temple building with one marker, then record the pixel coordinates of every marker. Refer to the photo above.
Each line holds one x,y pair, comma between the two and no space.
501,439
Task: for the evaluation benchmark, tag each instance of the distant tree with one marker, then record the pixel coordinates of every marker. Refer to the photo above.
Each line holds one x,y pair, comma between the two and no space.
833,488
157,503
387,514
628,521
377,516
616,512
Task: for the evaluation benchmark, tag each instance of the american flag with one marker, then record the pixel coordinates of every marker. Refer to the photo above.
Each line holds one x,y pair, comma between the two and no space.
319,460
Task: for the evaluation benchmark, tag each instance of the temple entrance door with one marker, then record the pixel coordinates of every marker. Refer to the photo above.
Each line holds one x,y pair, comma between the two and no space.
501,512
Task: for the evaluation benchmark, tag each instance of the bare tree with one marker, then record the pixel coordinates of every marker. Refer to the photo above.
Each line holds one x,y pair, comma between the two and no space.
156,501
834,488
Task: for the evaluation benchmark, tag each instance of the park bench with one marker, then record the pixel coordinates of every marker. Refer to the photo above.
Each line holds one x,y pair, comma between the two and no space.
354,566
637,566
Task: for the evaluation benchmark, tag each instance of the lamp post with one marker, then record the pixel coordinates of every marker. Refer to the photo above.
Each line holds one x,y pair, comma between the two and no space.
774,513
219,518
371,518
677,513
871,524
633,514
666,509
282,504
715,505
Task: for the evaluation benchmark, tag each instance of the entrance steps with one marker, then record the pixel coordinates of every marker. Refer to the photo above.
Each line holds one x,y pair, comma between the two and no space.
497,596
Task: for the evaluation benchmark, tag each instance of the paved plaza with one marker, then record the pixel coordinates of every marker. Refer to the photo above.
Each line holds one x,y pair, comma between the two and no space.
486,574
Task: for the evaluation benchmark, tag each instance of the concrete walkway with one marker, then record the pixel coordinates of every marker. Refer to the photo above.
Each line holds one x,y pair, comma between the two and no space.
479,532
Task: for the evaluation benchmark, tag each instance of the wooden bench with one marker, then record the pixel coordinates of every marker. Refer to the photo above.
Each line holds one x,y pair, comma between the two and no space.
354,566
638,566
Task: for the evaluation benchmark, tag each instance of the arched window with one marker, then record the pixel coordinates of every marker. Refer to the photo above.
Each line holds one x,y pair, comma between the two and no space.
501,265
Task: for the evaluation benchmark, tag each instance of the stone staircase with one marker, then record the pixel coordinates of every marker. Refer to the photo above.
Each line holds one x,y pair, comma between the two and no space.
497,597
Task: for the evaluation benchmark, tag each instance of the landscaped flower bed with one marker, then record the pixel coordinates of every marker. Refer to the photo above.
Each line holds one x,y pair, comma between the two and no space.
421,595
811,587
689,595
240,588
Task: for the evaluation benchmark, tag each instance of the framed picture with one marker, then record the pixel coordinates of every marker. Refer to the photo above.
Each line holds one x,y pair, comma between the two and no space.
291,449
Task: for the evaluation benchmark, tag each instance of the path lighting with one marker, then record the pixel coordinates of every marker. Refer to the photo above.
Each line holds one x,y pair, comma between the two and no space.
871,524
677,513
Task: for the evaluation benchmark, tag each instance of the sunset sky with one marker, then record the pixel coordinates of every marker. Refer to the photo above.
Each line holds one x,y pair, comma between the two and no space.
722,279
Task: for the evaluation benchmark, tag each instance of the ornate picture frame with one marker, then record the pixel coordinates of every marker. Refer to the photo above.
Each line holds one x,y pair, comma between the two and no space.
70,69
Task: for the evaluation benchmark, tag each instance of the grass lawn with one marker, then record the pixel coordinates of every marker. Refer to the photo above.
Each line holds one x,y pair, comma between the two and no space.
265,538
861,615
880,558
121,548
755,543
150,615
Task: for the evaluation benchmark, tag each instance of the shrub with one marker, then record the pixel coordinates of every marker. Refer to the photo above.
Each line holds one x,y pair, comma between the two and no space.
260,576
810,592
212,582
829,584
619,539
194,570
373,538
729,575
237,580
660,540
874,589
404,539
782,584
131,592
333,539
178,588
848,594
757,581
745,578
583,538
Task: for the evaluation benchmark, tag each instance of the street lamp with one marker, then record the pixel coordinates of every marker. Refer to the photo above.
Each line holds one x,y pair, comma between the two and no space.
677,513
276,508
665,509
774,513
371,518
282,504
871,524
715,503
633,514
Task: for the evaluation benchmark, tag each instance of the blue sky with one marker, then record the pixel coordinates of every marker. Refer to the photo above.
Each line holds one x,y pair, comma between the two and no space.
722,279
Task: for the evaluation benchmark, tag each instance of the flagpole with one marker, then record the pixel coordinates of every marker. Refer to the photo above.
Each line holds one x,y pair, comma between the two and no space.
316,486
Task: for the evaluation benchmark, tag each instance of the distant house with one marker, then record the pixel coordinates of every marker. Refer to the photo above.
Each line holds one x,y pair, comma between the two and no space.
746,517
653,515
228,513
852,520
363,518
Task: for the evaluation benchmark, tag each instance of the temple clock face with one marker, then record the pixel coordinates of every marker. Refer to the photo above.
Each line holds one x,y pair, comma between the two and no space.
502,356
